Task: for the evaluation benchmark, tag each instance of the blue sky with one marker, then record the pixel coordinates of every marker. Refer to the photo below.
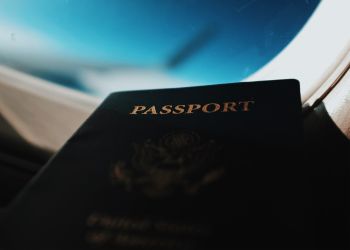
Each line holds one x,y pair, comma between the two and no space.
245,34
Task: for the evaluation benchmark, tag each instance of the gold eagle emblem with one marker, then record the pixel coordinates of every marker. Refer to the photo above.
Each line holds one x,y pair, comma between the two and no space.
176,162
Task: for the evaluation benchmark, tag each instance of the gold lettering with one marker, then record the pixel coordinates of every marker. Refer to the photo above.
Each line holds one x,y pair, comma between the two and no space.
242,106
229,106
246,105
151,110
216,107
137,109
192,107
180,108
166,110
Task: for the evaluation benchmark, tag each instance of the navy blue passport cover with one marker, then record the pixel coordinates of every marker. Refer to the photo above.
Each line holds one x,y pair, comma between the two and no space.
209,167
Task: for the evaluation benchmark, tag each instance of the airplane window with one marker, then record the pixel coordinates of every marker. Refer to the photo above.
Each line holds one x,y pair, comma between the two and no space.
99,46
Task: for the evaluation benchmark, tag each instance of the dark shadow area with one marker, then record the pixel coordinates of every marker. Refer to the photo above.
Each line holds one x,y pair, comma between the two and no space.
19,162
327,163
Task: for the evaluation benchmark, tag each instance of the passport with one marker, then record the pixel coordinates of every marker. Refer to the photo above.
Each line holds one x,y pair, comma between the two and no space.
209,167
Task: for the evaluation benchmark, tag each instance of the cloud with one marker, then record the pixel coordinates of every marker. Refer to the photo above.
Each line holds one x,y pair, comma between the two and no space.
130,78
19,40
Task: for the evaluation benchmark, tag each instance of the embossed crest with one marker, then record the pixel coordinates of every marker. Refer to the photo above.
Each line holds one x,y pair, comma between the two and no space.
176,162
